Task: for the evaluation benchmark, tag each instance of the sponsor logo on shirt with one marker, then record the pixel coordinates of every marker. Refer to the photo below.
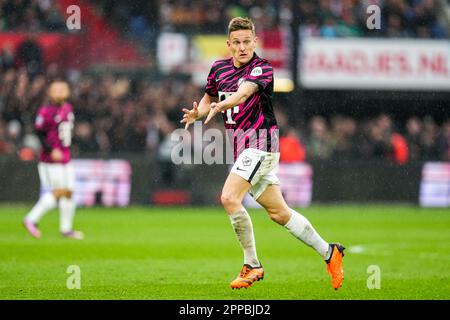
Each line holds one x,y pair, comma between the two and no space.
256,72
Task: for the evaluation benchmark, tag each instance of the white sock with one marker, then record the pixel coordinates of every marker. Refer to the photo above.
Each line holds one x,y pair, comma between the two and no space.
243,227
46,203
66,214
302,229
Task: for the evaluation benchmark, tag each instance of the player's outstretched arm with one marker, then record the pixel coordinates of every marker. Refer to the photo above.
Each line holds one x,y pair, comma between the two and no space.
198,111
246,90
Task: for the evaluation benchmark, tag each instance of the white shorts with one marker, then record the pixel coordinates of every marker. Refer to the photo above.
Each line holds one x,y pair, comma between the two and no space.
56,176
259,168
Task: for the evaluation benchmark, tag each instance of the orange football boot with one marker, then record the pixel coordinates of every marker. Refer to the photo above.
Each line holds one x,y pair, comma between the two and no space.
247,277
334,265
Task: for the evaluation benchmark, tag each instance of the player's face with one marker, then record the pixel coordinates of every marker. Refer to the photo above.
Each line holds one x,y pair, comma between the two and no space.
59,92
242,44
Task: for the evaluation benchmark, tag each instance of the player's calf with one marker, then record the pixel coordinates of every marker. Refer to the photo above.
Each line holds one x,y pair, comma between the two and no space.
279,215
67,209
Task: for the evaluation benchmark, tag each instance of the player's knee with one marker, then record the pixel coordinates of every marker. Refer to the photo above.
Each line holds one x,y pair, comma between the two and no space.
58,193
229,201
226,199
62,193
68,194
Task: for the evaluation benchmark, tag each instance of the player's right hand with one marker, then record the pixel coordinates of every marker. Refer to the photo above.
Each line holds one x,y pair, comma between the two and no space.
190,115
56,155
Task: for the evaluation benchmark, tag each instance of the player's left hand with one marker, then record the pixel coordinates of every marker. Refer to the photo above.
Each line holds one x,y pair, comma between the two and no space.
56,155
214,109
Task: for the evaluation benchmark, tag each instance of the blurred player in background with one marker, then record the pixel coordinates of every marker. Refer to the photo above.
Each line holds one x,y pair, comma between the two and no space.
241,89
54,124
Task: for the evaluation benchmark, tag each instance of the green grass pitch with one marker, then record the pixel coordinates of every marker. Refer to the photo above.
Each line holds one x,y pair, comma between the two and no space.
192,253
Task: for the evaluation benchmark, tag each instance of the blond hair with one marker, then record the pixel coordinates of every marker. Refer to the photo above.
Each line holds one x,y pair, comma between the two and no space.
240,23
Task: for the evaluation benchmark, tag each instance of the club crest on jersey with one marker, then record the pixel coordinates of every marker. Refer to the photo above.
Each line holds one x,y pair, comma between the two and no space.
246,161
256,72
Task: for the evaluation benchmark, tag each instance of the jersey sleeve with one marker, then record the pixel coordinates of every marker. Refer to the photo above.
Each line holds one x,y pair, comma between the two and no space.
211,85
261,74
40,123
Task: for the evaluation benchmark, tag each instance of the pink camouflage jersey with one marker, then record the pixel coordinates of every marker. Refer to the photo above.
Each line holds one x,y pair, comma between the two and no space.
54,126
254,114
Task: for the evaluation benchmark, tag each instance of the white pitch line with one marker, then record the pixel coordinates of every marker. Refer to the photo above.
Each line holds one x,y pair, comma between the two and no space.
356,249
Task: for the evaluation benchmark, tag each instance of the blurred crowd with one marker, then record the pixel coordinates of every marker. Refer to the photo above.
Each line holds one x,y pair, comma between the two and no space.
345,138
115,116
324,18
118,115
399,18
30,15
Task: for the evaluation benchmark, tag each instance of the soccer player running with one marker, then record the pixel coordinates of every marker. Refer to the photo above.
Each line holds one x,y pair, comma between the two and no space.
54,124
241,89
